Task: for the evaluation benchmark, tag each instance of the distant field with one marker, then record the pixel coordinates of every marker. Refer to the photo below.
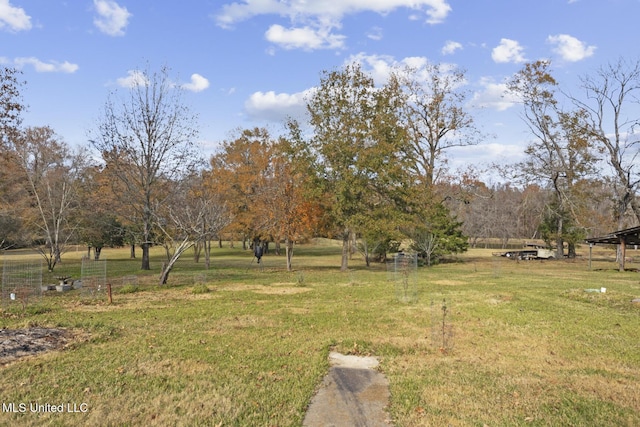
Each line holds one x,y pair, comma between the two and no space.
489,341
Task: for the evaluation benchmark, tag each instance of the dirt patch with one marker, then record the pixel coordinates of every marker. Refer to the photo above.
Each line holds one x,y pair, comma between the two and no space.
19,343
275,289
281,291
448,282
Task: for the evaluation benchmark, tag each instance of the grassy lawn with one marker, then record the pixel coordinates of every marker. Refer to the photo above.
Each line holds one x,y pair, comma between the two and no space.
525,343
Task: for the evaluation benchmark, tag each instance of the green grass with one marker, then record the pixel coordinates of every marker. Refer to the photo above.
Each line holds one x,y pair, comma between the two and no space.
527,345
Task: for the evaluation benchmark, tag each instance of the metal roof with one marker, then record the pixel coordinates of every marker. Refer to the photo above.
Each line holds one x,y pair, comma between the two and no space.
631,236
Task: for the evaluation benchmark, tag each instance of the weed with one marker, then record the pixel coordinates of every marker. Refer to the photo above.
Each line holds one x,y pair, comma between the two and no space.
200,288
128,289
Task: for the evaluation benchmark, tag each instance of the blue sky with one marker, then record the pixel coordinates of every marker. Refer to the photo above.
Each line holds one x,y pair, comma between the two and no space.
247,63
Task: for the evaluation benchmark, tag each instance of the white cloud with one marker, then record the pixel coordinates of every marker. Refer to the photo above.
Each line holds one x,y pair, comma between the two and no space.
277,107
197,83
493,95
133,79
375,33
304,38
450,47
112,18
46,67
485,154
379,67
508,51
570,48
313,20
15,18
436,10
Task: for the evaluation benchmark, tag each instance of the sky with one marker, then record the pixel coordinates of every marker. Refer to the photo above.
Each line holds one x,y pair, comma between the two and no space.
248,63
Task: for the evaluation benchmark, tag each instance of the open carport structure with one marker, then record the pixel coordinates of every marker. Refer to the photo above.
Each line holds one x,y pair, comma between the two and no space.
624,238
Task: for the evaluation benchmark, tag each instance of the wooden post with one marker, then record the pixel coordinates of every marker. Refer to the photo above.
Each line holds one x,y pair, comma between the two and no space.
590,252
109,293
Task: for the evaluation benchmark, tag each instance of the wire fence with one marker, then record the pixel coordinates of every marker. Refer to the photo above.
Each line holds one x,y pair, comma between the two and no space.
21,282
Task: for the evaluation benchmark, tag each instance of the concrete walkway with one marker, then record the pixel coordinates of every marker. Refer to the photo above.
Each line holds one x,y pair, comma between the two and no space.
353,394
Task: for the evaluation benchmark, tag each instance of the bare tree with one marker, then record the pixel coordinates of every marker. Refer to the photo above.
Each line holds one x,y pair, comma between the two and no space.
561,154
148,138
52,175
612,99
184,220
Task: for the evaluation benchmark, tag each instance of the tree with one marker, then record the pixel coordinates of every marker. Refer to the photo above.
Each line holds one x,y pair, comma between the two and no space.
215,213
562,153
358,149
239,174
148,139
185,219
294,211
11,105
434,110
436,234
612,96
52,174
99,225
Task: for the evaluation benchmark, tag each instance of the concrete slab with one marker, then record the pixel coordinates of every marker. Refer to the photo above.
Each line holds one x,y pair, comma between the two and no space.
352,394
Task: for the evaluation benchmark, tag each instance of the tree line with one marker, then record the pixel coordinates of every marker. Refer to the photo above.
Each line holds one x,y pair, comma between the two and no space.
368,166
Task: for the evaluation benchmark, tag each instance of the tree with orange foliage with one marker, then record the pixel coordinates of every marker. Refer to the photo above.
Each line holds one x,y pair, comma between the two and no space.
293,214
239,174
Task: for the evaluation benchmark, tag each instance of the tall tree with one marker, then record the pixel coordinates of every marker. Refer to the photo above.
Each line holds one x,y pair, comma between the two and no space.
294,212
561,154
612,100
436,117
100,225
358,145
11,105
239,174
148,139
52,175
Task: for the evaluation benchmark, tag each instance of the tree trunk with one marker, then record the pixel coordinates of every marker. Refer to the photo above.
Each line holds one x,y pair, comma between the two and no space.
288,248
164,276
366,252
197,250
207,253
145,257
346,243
571,250
133,251
559,240
168,266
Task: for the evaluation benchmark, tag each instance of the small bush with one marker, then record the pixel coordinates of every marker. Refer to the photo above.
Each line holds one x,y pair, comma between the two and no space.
300,279
128,289
200,288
